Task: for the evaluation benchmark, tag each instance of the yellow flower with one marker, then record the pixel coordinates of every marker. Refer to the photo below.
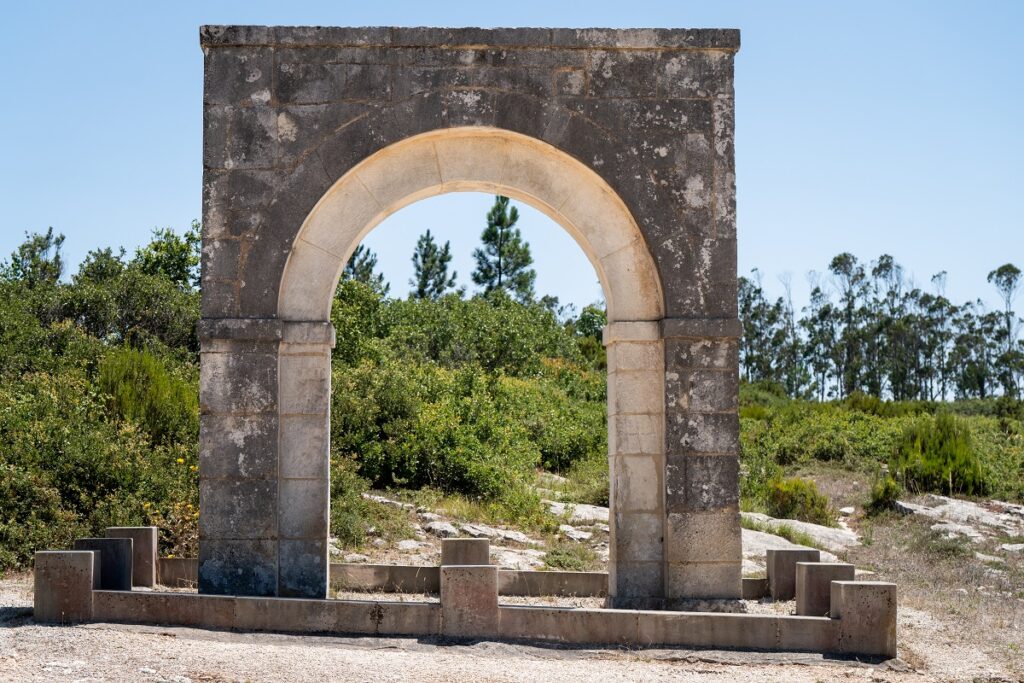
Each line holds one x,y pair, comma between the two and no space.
181,461
193,468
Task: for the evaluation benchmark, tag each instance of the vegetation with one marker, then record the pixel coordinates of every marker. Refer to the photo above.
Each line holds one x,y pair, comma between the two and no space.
458,401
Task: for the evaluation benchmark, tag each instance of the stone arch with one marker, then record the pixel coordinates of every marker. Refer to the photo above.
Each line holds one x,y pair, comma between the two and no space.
471,159
623,137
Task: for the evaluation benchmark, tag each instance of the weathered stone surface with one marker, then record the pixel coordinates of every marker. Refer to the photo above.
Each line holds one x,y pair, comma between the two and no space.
472,551
782,570
866,611
144,552
115,561
63,583
469,600
814,585
313,134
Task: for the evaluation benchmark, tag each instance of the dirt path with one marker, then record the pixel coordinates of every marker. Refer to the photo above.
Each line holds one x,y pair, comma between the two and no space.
108,652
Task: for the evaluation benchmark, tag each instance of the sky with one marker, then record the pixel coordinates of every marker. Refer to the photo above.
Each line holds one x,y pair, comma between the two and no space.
868,127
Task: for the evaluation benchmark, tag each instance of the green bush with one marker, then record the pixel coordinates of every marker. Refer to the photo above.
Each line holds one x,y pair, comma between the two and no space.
937,455
799,499
141,388
884,493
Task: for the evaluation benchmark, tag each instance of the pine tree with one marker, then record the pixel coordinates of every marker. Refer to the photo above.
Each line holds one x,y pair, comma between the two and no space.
504,261
361,267
431,279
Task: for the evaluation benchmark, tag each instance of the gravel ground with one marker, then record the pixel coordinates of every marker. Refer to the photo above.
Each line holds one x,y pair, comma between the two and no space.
109,652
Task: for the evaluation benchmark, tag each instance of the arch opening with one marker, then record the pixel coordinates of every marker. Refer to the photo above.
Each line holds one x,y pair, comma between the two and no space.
472,159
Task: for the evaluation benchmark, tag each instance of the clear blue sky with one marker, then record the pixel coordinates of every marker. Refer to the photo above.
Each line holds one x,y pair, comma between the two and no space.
867,127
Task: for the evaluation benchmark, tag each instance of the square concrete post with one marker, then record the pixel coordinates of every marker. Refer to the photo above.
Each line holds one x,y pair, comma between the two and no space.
115,561
456,551
866,611
782,570
703,553
814,585
63,586
144,551
469,601
636,462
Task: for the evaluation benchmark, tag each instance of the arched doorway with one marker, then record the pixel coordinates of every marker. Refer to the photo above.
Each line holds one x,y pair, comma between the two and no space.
299,174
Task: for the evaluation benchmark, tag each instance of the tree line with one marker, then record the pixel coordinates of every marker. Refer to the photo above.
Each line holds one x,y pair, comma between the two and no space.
868,329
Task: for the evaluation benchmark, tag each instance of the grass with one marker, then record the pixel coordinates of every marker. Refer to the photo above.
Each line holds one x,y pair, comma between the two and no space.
572,557
784,530
526,512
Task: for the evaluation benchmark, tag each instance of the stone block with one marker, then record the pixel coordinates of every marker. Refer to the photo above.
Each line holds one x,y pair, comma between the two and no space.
465,551
814,585
866,611
238,567
238,447
636,434
636,483
635,392
304,506
237,382
144,552
63,585
115,561
635,585
238,75
700,483
577,626
302,568
469,601
782,570
237,508
716,581
712,433
703,537
636,536
305,383
304,446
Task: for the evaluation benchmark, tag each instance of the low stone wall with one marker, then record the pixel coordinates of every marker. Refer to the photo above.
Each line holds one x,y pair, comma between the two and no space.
861,621
399,578
177,572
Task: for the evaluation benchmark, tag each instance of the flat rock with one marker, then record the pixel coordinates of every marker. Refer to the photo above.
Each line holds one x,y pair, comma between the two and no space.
955,517
847,511
507,558
579,513
430,516
574,534
1012,547
757,543
408,544
834,539
355,558
388,501
442,529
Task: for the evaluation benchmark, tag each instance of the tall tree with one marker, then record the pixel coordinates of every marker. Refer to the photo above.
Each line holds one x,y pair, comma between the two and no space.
504,261
173,256
850,279
362,267
1007,280
37,261
430,264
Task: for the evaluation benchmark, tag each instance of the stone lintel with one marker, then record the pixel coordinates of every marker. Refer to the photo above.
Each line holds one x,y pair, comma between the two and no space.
384,36
701,328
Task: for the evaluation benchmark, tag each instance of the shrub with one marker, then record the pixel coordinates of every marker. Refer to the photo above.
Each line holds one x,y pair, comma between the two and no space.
799,499
571,557
142,389
937,455
884,493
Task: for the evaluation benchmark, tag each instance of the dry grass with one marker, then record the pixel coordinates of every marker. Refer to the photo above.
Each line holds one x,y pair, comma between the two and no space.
983,601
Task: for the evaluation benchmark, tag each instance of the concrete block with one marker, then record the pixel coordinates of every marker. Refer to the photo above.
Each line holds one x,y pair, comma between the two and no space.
866,611
177,572
814,585
754,588
637,483
703,537
304,508
144,552
305,453
700,581
571,584
237,567
636,585
302,568
305,384
63,586
636,434
636,391
463,551
385,578
782,570
469,601
115,561
577,626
